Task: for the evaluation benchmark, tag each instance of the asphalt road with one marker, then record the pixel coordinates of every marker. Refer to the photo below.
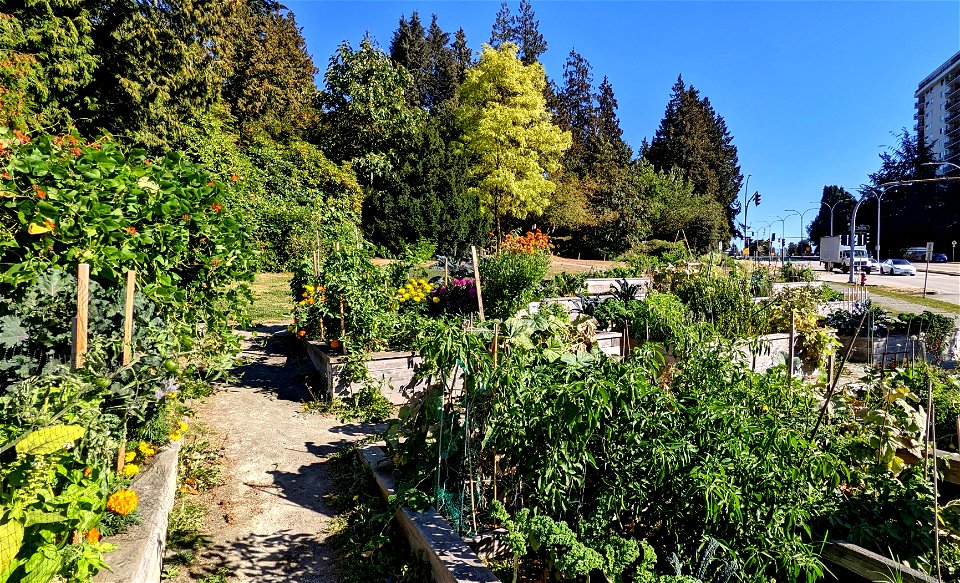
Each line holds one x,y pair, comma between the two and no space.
946,286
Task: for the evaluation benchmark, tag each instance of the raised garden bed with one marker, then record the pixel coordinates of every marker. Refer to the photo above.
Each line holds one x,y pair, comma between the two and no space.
603,285
449,557
877,350
139,553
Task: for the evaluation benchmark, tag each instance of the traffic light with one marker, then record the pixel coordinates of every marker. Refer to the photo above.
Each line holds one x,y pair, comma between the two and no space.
756,198
773,236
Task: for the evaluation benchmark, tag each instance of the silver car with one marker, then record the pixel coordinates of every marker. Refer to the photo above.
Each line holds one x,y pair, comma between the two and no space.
897,267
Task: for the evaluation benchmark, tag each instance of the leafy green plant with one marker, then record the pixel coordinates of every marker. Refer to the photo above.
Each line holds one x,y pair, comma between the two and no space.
510,279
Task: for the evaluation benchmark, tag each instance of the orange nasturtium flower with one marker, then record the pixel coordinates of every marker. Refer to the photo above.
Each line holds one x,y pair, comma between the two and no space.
122,502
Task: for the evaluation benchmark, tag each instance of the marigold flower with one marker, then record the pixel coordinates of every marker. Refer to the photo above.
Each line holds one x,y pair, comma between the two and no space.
93,535
302,333
130,470
146,449
182,426
131,455
87,472
122,502
175,436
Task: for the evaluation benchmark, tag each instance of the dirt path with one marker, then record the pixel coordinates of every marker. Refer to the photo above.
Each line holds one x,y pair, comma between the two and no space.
267,522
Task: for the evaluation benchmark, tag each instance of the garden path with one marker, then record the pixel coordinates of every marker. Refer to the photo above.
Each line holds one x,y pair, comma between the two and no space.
267,522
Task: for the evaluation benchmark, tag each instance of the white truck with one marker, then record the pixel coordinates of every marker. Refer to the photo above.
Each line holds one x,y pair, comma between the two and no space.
834,254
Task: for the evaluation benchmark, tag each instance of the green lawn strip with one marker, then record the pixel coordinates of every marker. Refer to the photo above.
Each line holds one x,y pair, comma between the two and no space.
271,298
924,302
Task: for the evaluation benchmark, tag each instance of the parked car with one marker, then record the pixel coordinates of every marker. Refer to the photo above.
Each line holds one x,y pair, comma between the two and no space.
915,253
872,265
897,267
939,258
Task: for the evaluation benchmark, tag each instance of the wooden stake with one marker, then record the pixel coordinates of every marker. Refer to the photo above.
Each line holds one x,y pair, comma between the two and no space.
343,322
446,271
793,337
476,281
83,303
128,319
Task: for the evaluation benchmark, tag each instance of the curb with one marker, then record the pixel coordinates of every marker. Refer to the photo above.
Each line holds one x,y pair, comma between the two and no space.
139,554
450,559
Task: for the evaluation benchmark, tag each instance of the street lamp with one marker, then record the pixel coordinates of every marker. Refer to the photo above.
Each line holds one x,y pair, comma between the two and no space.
885,186
815,208
746,189
783,239
831,207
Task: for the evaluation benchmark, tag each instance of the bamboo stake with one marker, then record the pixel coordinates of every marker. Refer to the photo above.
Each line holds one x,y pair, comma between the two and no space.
446,271
128,319
83,303
476,281
793,337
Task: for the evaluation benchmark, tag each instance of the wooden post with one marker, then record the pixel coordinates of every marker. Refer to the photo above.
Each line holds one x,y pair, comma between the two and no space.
446,271
128,319
793,337
476,280
83,303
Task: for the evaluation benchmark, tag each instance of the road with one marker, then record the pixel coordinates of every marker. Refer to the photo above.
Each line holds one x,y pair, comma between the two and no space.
946,286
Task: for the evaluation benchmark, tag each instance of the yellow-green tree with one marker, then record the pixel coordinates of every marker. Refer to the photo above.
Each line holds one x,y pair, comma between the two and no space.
508,136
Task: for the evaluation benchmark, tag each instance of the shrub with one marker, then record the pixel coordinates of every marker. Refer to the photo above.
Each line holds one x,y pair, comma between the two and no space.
725,302
511,275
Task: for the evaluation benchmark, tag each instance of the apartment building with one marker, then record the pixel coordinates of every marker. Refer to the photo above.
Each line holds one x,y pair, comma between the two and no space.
938,112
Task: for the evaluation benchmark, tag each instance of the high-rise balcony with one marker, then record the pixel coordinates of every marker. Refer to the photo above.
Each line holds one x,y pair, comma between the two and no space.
952,129
954,116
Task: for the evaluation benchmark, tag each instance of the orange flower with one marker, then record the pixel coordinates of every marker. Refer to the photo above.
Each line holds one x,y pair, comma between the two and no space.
87,472
93,535
5,176
302,333
185,217
39,191
122,502
147,161
234,178
131,230
77,152
217,207
211,183
25,139
49,224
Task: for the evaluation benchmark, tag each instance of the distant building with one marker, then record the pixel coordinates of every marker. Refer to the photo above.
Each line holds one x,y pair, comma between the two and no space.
938,112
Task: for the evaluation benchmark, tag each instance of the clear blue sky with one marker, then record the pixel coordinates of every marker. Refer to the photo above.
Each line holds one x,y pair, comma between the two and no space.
810,91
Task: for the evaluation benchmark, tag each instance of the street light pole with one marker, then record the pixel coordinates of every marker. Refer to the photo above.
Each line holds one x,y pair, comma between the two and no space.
831,207
746,207
815,208
885,186
783,239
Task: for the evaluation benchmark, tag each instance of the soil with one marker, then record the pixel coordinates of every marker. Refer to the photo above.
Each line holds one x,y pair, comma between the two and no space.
267,522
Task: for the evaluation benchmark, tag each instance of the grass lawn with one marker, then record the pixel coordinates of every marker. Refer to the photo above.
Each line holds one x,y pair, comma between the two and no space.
917,299
271,298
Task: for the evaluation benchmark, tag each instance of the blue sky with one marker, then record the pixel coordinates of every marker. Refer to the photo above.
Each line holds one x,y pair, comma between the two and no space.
810,91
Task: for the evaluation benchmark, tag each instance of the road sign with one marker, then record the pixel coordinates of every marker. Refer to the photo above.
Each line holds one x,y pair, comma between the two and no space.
929,254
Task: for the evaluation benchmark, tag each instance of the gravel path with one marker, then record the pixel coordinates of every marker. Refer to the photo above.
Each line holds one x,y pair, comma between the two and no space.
267,522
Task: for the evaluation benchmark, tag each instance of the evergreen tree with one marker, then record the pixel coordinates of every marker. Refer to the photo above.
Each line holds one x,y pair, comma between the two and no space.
158,68
502,31
576,111
694,139
47,45
462,54
842,203
608,144
526,33
409,49
270,87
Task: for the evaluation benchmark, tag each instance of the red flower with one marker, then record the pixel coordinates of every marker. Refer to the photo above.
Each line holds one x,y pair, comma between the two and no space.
39,191
132,230
217,207
5,176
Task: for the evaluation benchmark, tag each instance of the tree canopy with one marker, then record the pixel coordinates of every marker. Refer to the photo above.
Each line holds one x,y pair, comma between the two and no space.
510,142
